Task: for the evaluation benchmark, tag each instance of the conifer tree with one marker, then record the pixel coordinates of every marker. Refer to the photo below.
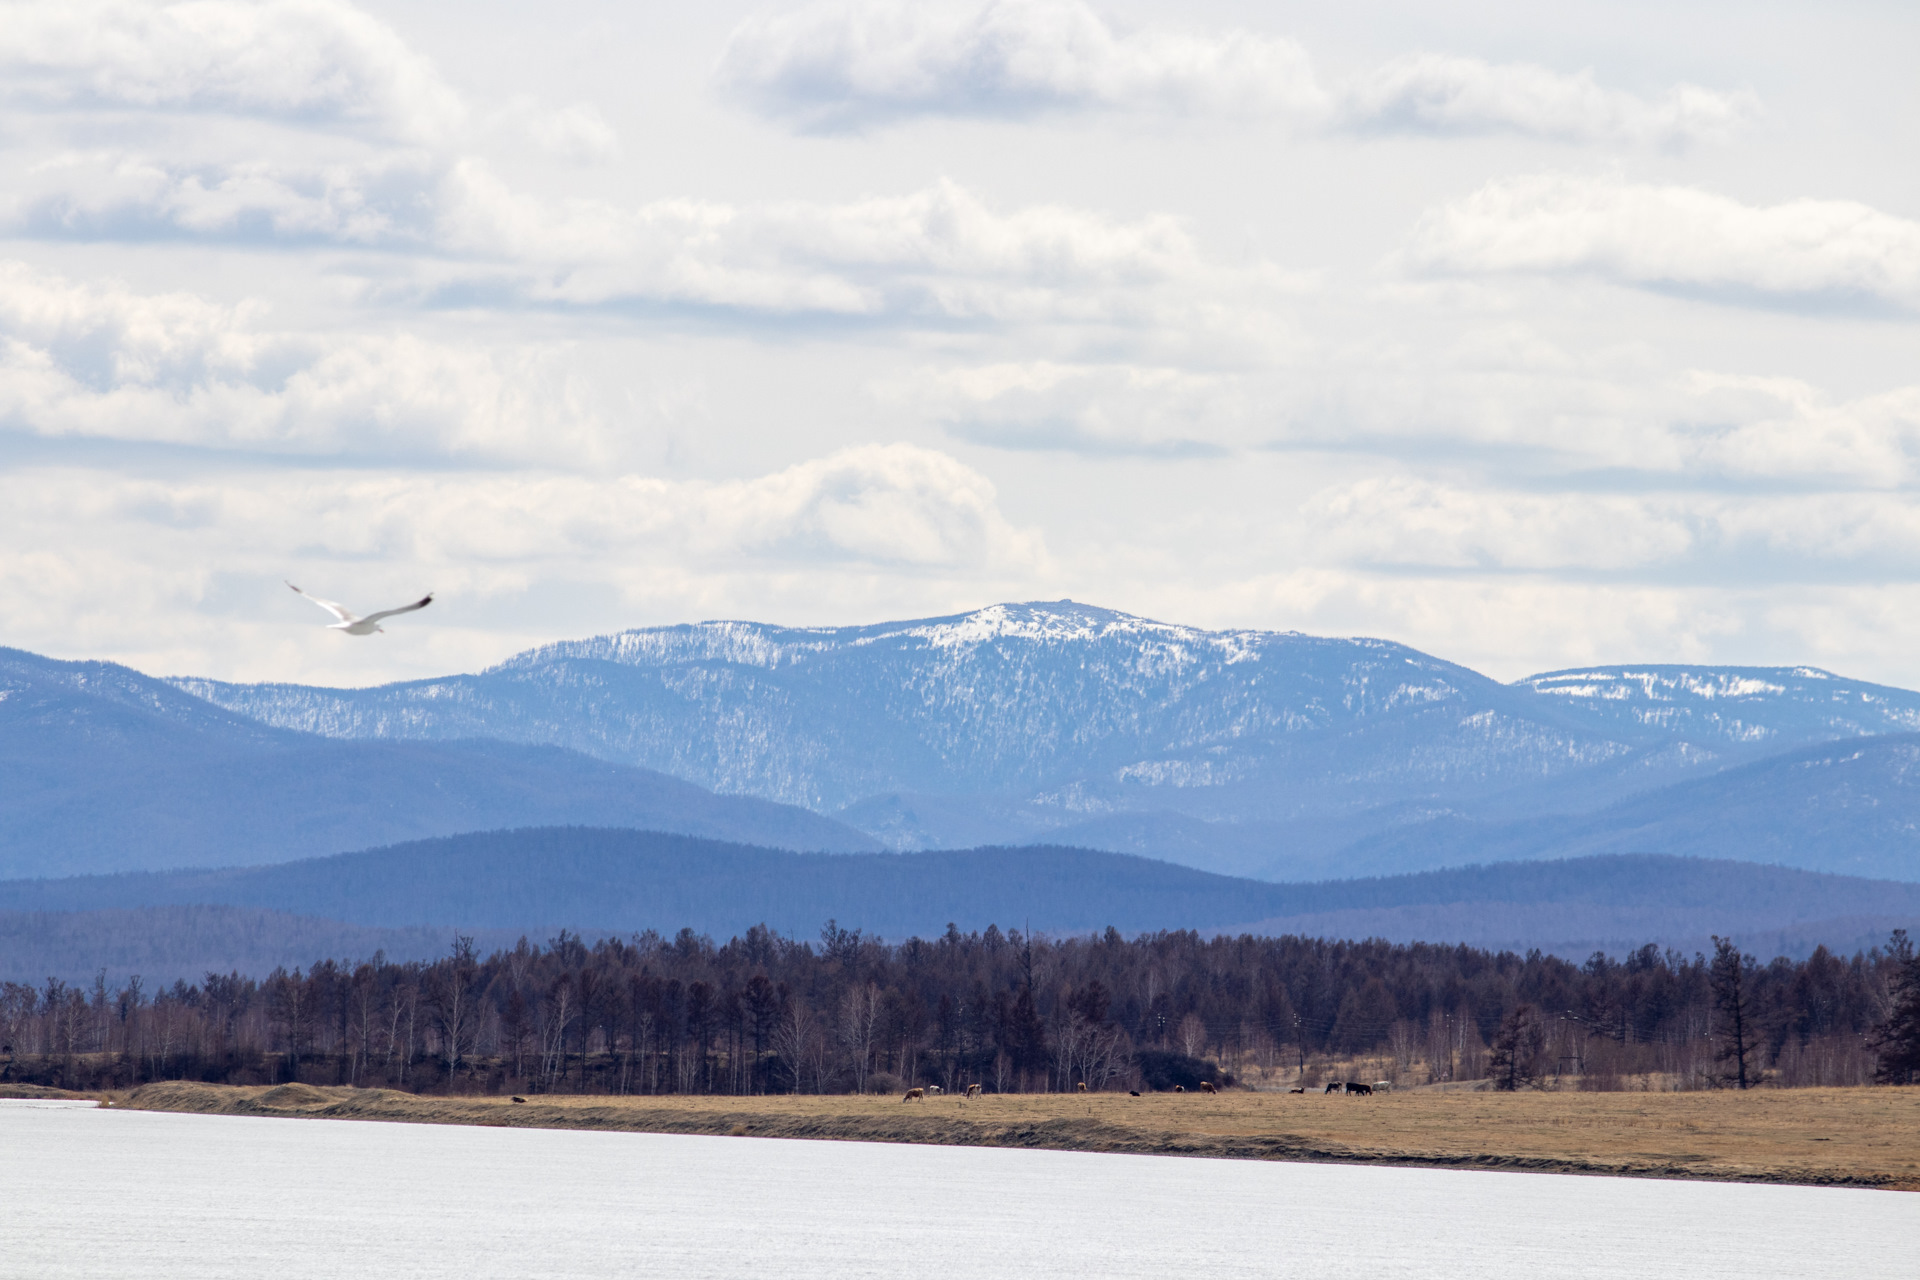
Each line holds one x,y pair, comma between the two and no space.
1728,977
1897,1038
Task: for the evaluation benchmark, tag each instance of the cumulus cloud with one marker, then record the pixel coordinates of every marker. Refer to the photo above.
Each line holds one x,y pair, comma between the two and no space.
1097,410
846,67
835,67
103,361
1437,94
151,569
320,61
1676,238
937,254
575,132
1406,522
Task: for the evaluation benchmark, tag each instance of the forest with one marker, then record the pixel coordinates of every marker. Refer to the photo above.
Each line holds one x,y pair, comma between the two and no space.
763,1013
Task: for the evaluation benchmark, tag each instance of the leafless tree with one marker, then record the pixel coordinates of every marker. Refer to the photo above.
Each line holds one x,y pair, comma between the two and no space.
859,1028
451,1001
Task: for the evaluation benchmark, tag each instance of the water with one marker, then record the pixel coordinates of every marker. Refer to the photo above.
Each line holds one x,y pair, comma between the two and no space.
89,1193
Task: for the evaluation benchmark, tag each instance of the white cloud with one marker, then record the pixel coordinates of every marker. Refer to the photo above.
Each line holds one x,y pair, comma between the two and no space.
1748,427
576,132
299,60
102,361
183,574
1404,521
1100,410
1674,237
894,506
843,66
1433,93
835,67
939,254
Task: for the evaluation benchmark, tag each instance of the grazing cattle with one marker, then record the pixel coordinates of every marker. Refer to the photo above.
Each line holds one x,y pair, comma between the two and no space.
1299,1088
1354,1086
1133,1093
1081,1088
915,1095
1333,1086
1383,1086
934,1091
1179,1088
973,1091
1206,1086
518,1098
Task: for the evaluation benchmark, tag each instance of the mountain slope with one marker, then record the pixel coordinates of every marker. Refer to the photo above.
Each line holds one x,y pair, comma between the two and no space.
102,768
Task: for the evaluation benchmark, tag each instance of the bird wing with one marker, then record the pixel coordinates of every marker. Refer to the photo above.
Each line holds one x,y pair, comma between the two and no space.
339,611
421,603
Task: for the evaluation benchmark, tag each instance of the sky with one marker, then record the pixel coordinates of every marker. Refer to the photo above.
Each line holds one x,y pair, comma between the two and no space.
1531,336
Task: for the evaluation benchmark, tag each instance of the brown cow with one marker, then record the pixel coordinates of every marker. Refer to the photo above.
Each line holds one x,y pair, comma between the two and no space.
1206,1086
1082,1088
973,1091
915,1095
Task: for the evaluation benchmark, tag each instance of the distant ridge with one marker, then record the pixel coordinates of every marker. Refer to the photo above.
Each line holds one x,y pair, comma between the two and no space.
104,769
599,881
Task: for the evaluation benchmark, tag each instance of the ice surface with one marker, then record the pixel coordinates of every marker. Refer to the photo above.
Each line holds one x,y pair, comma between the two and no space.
136,1194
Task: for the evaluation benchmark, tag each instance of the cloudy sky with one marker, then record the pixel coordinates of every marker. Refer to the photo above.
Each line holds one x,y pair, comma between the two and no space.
1528,335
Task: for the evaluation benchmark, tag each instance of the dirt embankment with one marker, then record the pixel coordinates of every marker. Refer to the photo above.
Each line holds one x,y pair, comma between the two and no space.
1850,1137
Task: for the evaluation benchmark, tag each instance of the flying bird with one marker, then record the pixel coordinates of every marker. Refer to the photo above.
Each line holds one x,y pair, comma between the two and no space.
352,623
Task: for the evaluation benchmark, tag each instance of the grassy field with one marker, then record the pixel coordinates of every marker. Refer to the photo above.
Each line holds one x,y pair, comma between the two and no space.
1854,1137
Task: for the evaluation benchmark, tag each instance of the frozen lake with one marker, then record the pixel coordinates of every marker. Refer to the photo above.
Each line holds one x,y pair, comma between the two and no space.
88,1193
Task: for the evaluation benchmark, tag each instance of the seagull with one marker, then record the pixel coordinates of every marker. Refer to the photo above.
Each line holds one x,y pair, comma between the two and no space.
352,623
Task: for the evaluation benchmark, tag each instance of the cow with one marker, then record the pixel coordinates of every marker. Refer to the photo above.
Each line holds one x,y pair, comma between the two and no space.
1333,1086
1179,1088
1383,1086
914,1095
1133,1093
1081,1087
973,1091
1299,1088
518,1098
934,1091
1354,1086
1206,1086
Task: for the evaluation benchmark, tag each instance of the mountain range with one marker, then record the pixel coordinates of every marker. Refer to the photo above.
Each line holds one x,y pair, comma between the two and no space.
1268,754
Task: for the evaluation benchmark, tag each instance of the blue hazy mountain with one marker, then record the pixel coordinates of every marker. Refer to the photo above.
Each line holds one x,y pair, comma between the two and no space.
1267,753
102,768
1851,806
501,883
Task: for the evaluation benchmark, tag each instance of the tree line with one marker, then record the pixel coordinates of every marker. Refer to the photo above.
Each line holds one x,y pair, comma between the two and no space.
762,1013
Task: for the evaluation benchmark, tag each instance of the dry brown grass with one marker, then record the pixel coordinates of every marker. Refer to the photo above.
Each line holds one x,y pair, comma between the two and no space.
1858,1137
